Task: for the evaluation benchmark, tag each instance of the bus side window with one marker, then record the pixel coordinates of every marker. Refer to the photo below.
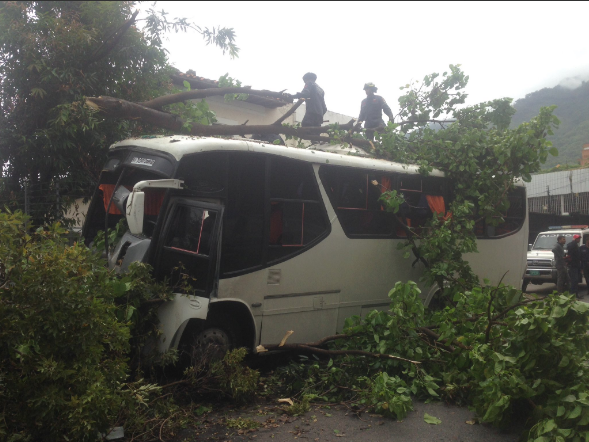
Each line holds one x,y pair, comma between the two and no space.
354,195
243,222
296,212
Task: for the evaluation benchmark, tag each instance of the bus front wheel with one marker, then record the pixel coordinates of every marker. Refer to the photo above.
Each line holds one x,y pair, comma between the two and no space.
213,342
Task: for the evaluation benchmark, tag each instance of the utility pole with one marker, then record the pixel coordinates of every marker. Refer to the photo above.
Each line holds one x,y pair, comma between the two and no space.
573,199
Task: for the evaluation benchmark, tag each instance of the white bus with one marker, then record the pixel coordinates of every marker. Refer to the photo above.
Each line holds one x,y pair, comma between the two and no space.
276,238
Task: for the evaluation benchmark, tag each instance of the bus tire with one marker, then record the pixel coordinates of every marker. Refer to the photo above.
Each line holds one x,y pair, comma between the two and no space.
213,341
525,284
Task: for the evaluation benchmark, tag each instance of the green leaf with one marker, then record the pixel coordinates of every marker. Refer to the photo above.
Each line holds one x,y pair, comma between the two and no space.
553,151
431,419
575,413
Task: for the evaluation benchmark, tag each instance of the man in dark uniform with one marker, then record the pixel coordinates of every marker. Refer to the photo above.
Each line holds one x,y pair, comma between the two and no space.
371,111
562,277
575,264
314,101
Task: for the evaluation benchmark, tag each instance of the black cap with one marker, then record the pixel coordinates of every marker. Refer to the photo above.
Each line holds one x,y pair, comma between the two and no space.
309,76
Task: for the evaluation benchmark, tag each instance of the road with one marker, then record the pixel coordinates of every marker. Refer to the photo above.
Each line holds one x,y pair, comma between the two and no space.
546,289
458,424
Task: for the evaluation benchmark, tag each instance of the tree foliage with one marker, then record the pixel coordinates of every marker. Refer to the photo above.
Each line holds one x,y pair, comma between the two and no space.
63,353
52,54
481,158
493,349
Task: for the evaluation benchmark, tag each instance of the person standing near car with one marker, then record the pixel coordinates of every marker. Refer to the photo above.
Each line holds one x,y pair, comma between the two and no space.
562,276
574,264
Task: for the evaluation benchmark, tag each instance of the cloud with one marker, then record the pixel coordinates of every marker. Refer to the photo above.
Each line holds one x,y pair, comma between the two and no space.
574,82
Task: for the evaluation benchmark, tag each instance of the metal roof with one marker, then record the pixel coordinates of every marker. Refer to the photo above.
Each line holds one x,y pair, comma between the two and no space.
558,183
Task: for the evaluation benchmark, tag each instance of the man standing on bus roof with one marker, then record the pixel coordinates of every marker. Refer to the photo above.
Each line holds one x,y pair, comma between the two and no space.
574,264
562,276
314,101
371,111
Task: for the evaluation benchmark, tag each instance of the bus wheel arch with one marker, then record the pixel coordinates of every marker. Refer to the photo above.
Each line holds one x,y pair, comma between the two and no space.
229,323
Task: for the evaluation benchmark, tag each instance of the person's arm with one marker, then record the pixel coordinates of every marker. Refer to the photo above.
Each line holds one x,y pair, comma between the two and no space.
305,93
362,115
387,110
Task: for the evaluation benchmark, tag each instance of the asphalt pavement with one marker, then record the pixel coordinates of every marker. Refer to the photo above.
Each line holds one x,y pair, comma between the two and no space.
457,424
547,289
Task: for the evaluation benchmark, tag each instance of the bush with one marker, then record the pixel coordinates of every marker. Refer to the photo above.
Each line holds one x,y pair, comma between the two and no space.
63,352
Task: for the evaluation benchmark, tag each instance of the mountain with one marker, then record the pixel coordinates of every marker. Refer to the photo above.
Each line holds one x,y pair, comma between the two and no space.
572,111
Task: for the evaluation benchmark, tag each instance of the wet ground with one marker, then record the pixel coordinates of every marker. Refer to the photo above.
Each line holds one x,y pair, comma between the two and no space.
546,289
339,423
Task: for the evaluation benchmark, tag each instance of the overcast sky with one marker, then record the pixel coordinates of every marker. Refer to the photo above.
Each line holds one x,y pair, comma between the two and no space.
507,49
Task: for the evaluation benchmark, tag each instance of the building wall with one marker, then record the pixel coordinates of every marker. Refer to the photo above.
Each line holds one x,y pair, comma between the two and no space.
585,155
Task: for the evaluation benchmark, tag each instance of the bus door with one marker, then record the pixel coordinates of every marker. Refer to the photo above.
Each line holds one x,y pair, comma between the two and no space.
188,257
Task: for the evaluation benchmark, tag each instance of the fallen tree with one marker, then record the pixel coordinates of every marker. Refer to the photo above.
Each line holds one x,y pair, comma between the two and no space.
151,113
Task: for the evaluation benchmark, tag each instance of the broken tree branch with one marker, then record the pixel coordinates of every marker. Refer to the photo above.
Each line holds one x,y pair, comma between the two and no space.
289,112
164,100
322,351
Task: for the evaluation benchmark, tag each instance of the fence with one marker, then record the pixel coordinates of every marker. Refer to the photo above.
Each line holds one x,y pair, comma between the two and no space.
56,201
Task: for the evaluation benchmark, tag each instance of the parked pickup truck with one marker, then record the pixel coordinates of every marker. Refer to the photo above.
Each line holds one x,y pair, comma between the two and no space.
540,267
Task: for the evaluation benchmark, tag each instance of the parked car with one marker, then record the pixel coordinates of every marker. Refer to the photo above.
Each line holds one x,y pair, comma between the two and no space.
540,264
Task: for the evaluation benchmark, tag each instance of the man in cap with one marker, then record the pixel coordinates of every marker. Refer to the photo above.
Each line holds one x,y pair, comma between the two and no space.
575,264
314,101
371,110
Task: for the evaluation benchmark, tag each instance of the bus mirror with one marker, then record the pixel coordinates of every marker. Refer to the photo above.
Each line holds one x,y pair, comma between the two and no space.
136,201
135,211
120,198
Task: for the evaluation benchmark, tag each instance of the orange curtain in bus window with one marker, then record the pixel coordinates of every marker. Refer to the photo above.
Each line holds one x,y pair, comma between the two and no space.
107,190
437,205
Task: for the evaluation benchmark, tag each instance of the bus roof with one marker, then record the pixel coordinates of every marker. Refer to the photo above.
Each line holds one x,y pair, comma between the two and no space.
180,145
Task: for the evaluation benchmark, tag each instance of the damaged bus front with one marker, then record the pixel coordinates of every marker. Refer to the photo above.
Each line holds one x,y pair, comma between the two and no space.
169,227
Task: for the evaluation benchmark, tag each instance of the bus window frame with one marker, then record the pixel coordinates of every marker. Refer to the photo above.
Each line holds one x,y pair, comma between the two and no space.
266,262
396,180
